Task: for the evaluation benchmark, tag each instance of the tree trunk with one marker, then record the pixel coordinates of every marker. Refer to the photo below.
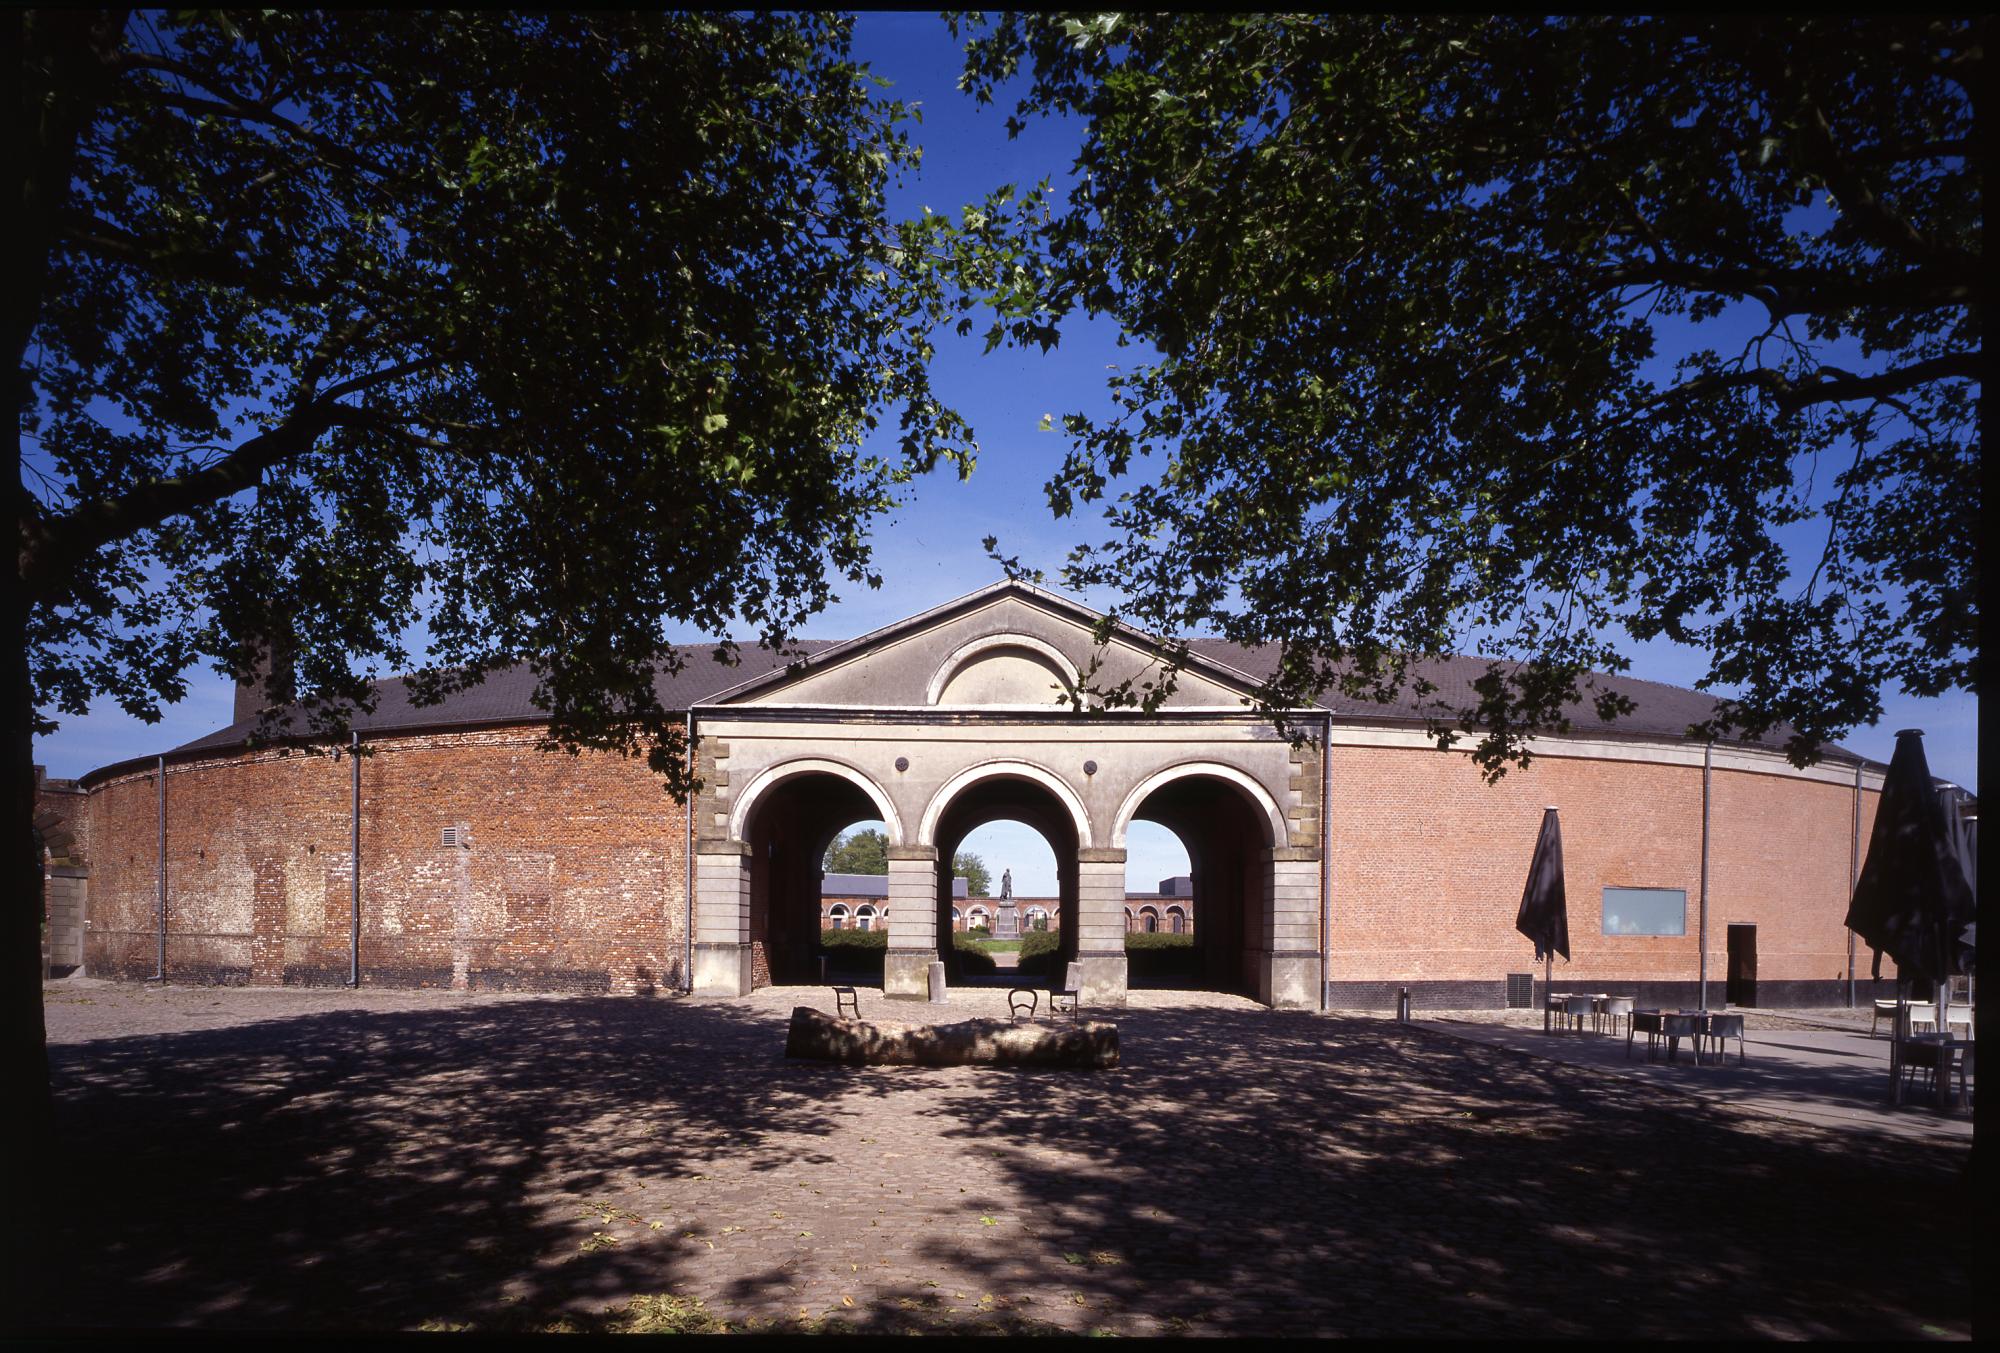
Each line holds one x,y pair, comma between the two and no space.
24,1072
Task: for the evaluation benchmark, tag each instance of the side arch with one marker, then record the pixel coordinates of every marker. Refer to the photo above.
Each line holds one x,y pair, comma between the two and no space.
986,770
1274,817
772,776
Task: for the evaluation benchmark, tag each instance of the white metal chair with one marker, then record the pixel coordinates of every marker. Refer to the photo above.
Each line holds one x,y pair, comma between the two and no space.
1578,1009
1615,1009
1725,1026
1066,999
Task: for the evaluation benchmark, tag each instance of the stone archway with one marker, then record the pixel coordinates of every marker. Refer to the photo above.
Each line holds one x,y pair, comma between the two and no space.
1007,791
1249,940
787,828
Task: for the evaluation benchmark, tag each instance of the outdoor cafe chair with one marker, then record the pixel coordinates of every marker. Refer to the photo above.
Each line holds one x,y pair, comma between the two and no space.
1021,1003
1616,1008
1597,1000
1686,1024
1645,1022
1577,1008
1934,1056
1726,1026
1067,999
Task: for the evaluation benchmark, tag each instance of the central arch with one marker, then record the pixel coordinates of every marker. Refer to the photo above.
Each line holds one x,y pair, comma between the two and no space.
1011,791
1005,768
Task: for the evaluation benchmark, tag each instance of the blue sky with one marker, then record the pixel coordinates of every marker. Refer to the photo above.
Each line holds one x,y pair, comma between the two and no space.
929,550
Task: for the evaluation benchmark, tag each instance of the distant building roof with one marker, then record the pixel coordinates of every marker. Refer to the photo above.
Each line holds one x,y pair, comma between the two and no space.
870,885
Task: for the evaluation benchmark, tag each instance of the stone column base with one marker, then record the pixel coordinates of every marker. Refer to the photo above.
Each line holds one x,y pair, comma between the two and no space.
1104,980
906,974
1288,980
722,969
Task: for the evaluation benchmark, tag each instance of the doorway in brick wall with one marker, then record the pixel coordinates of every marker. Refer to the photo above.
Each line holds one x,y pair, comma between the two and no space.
1740,987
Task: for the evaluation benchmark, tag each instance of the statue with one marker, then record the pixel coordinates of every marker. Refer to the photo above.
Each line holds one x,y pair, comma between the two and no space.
1006,883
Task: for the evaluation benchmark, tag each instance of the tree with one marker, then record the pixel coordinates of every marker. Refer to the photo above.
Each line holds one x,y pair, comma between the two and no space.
1415,285
862,852
345,337
978,882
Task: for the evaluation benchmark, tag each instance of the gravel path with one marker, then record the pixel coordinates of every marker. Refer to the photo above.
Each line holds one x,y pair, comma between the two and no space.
335,1161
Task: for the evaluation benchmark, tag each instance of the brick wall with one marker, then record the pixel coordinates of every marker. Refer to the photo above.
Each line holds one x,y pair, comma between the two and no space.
573,878
1429,862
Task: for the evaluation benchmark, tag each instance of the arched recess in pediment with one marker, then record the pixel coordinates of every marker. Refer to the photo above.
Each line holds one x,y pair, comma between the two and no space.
1004,669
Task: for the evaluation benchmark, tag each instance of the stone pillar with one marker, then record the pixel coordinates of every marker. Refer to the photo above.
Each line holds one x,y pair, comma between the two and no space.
913,922
1288,961
722,957
1100,938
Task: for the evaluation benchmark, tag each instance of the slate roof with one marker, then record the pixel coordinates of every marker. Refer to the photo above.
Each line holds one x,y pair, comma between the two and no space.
872,885
1661,711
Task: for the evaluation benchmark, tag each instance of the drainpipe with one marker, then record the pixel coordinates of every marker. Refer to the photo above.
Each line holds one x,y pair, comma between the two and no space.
1853,876
354,850
160,869
1707,771
1325,858
687,872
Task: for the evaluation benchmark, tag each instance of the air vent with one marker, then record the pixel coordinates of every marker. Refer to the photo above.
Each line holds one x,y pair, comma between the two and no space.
1520,991
459,835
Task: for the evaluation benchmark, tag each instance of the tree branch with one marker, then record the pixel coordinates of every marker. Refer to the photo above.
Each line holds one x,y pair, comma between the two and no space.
52,549
117,245
1830,386
1799,291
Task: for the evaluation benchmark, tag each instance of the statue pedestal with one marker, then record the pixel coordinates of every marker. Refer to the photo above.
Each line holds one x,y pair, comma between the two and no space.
1007,921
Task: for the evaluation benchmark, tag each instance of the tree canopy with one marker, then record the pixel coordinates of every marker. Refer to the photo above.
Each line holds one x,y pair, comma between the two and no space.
538,330
862,852
1520,335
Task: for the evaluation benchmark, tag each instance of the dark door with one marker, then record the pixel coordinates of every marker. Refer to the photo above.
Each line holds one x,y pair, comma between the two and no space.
1741,988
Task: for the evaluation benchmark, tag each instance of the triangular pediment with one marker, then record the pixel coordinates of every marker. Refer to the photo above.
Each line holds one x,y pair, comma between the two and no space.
1009,646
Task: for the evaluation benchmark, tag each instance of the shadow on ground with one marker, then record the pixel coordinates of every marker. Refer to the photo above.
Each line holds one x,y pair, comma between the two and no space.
1242,1172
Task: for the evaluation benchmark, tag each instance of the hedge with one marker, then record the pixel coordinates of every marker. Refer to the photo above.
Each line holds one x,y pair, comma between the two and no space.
863,952
858,953
1038,953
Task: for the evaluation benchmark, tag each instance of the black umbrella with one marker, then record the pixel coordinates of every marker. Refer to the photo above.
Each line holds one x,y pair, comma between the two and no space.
1913,900
1544,914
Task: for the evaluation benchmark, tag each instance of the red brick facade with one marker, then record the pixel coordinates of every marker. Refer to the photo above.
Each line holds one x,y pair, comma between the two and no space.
1429,861
571,876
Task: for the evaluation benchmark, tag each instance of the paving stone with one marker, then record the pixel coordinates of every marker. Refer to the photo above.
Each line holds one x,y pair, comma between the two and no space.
369,1161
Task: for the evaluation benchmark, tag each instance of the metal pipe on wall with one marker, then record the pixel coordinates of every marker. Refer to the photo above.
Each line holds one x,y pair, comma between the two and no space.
687,870
1707,773
1853,876
160,783
1325,859
354,849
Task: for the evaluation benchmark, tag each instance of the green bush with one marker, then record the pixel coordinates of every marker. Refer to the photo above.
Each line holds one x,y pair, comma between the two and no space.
859,953
1038,953
1160,956
973,958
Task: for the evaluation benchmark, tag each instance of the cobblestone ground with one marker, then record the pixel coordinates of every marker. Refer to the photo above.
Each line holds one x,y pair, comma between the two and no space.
320,1160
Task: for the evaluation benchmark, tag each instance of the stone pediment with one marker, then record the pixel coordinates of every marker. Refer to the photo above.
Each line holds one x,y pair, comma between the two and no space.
1009,646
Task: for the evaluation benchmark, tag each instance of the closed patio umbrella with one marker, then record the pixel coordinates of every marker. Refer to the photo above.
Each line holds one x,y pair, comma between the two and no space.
1913,900
1544,916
